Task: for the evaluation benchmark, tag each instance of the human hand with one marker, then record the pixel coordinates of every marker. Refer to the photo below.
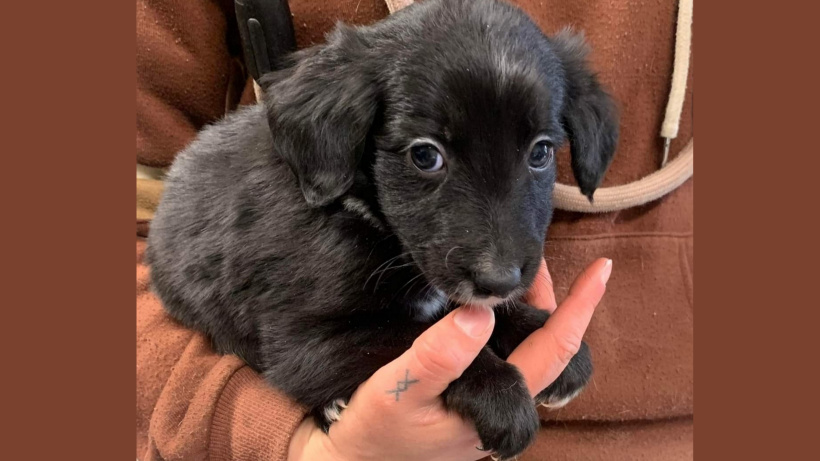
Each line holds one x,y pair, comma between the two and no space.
398,414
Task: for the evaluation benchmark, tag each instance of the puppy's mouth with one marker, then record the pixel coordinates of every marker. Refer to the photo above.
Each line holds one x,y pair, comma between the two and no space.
465,294
490,301
436,299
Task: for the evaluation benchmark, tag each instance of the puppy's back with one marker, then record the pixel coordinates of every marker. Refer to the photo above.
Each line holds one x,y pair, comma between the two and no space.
205,231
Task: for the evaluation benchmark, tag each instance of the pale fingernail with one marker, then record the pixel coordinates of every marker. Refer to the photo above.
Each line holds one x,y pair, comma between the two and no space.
474,320
606,272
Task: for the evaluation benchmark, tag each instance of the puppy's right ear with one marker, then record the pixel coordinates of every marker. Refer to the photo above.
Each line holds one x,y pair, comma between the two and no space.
320,110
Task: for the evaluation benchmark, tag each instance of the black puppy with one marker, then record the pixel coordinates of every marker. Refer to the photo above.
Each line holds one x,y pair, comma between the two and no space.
394,172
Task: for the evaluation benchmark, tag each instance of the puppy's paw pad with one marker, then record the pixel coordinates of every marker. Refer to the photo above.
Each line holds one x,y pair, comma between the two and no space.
555,403
333,412
570,383
497,457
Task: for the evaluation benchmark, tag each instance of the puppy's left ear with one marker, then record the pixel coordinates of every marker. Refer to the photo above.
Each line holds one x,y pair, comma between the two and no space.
590,115
320,110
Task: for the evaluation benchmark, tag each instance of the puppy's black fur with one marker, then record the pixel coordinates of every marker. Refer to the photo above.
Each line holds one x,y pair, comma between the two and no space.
299,235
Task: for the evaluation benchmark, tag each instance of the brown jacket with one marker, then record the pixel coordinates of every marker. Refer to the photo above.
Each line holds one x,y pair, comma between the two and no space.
194,404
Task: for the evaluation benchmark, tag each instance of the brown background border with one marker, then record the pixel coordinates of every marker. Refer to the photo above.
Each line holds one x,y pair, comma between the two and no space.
68,230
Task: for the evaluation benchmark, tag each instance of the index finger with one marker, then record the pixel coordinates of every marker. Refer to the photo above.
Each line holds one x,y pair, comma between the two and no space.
546,352
541,294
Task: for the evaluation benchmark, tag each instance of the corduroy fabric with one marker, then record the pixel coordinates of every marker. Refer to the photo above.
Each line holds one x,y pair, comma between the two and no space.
184,71
195,404
252,422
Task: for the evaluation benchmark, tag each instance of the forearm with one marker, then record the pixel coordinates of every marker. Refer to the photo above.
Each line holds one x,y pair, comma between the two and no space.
194,403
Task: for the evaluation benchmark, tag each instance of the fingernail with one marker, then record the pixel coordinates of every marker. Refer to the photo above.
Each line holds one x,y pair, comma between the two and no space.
474,320
606,272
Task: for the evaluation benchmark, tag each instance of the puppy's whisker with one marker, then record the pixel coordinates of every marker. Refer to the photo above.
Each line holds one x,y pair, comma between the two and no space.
386,263
376,270
411,280
427,293
415,282
374,248
388,268
447,256
422,273
553,258
508,304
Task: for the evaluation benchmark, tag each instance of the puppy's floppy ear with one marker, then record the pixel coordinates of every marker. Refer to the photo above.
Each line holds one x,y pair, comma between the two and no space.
320,110
590,115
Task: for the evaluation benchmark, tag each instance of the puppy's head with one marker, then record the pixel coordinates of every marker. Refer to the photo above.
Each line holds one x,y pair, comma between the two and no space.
454,111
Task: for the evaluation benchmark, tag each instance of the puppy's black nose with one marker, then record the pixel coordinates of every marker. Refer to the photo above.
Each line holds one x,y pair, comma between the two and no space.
497,281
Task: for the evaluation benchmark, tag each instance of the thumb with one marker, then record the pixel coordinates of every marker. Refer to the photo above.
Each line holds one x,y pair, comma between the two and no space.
438,357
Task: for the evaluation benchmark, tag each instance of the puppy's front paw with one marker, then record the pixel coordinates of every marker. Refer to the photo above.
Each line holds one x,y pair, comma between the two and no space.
329,414
571,381
500,407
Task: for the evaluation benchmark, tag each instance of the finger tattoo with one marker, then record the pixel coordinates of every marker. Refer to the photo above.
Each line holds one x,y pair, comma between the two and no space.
401,386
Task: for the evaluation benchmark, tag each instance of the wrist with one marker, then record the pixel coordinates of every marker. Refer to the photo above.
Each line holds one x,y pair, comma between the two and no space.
310,443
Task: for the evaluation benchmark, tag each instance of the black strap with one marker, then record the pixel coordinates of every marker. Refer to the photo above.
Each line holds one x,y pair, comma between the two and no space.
266,30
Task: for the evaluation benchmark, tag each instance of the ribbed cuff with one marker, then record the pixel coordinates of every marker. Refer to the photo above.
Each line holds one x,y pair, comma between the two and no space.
252,420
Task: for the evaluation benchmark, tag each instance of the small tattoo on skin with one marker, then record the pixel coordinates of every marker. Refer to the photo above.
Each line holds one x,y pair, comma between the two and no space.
401,386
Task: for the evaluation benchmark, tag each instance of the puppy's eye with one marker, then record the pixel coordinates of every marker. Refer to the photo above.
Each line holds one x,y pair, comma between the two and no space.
541,155
427,158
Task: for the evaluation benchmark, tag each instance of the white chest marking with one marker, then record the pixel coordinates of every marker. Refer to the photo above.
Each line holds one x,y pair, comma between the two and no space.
333,412
428,306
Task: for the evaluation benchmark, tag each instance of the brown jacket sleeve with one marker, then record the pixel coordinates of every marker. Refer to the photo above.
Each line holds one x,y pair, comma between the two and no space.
195,404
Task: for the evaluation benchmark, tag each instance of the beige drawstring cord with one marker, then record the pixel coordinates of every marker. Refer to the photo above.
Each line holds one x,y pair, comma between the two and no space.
257,90
396,5
642,191
683,48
